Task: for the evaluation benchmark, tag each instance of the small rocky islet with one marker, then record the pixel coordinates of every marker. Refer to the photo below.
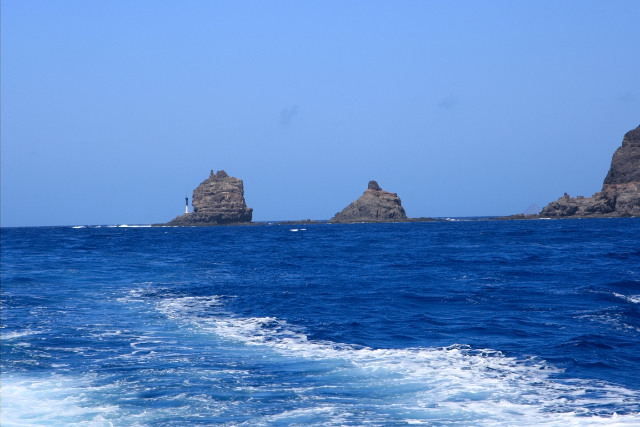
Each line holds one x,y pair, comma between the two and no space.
375,205
219,199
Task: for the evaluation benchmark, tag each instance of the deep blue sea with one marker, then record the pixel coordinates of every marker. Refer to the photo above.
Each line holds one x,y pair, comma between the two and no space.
477,323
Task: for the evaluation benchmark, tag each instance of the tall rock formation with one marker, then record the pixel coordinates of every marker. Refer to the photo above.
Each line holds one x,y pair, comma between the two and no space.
625,165
375,205
620,195
218,200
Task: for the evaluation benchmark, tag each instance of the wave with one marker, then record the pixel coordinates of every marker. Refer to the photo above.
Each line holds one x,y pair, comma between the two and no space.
51,401
124,226
634,299
18,334
198,362
113,226
479,386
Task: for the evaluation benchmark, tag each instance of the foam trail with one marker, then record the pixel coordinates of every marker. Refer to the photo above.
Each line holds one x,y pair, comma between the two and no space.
427,384
278,376
53,401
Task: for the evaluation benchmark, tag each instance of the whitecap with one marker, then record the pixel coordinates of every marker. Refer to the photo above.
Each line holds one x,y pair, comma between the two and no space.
635,299
18,334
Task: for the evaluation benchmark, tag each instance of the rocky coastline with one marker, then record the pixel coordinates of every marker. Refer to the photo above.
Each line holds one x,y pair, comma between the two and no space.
219,199
620,194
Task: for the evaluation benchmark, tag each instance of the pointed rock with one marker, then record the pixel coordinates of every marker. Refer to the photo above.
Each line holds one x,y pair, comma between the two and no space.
375,205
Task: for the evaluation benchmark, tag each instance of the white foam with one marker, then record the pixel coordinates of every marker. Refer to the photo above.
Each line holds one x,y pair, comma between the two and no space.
305,416
52,401
347,385
435,384
18,334
635,299
134,295
612,319
179,307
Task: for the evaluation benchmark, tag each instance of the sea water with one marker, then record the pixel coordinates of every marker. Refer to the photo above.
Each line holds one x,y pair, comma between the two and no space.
441,323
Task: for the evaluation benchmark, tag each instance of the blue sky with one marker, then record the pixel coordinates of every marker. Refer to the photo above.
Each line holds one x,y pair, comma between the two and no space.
113,111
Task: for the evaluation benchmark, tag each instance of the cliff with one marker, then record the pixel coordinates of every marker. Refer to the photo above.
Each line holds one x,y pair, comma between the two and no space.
375,205
218,200
625,165
620,194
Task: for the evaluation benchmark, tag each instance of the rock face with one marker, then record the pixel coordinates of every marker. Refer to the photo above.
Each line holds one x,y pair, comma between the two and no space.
620,195
375,205
625,165
218,200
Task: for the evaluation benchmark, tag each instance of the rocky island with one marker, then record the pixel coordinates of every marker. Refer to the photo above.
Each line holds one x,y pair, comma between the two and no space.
375,205
620,194
218,200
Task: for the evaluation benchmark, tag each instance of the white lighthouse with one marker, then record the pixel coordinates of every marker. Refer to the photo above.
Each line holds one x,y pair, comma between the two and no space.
186,203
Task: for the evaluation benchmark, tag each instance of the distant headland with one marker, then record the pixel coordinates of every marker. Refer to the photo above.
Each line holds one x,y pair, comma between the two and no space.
620,194
219,199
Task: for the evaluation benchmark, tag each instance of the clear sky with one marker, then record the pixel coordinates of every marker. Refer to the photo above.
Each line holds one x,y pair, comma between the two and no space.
113,111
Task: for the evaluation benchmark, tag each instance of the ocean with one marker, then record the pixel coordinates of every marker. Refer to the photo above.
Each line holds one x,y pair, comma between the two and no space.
449,323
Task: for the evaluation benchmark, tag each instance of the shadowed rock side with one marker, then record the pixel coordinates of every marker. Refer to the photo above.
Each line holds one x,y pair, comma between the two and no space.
218,200
375,205
620,195
625,165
